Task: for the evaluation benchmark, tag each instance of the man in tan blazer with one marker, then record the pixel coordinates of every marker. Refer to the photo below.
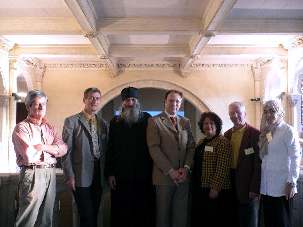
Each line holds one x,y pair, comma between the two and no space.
171,146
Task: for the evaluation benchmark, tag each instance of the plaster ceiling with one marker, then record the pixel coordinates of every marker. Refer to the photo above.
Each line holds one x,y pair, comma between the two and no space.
158,30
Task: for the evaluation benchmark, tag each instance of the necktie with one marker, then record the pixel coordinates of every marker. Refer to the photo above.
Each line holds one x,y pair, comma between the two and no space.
94,133
43,142
174,121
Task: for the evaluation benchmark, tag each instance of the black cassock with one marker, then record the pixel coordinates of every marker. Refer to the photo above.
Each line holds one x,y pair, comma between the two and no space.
128,159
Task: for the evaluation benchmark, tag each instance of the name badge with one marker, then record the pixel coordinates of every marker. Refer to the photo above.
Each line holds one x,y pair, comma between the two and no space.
209,149
249,151
269,137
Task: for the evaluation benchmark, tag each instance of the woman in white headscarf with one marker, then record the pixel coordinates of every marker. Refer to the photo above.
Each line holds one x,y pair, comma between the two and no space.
280,154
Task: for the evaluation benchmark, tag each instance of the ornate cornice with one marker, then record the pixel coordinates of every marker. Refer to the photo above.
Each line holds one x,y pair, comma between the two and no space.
77,66
298,42
36,64
143,66
6,45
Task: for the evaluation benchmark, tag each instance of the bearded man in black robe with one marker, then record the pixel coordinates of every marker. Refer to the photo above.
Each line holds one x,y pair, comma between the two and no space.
128,165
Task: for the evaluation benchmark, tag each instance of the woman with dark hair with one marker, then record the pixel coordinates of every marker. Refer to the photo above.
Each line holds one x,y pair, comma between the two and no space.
211,174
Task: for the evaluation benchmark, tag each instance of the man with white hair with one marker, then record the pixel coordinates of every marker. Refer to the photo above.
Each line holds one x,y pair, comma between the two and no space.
281,154
245,169
37,145
128,166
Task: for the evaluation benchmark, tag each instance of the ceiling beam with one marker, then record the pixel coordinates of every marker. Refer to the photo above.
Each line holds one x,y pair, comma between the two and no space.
285,26
174,25
213,16
86,16
39,26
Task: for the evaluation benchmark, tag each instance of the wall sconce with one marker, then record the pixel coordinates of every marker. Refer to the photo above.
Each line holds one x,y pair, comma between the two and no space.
257,99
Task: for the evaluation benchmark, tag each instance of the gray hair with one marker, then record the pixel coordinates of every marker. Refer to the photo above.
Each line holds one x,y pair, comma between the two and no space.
275,105
31,95
238,104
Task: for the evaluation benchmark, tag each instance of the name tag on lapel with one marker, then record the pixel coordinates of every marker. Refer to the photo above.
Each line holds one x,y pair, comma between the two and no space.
269,137
249,151
209,149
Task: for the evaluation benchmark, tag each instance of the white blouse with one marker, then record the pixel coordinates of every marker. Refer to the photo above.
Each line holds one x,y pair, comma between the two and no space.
282,163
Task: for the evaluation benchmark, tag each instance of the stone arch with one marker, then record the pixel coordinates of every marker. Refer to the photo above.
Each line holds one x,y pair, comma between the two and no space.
188,95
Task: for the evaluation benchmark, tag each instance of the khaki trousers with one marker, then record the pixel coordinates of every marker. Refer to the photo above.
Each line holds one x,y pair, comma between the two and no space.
37,193
172,205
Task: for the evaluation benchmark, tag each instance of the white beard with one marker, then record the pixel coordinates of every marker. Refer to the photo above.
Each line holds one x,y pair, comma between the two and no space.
131,115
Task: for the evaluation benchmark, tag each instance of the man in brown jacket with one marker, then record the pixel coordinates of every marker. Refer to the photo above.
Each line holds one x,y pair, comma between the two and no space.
171,146
246,167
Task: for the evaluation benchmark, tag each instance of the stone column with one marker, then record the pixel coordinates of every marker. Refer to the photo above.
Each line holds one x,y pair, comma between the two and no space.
295,83
4,133
294,103
12,111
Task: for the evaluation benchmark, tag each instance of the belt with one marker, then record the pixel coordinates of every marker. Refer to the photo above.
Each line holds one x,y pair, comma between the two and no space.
39,166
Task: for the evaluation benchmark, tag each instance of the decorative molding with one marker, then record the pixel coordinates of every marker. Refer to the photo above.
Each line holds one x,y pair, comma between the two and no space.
298,42
6,45
142,66
260,62
35,64
76,66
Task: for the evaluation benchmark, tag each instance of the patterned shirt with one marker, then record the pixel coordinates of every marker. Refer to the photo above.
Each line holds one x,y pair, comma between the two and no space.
282,163
29,133
216,164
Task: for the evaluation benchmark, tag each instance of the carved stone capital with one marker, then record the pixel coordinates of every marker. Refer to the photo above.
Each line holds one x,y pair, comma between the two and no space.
298,42
6,45
36,65
261,62
293,99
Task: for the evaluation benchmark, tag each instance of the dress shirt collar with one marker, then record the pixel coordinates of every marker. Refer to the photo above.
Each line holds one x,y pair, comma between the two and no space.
88,116
35,121
170,115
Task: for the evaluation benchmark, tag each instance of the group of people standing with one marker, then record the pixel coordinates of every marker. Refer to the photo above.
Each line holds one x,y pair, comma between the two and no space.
157,174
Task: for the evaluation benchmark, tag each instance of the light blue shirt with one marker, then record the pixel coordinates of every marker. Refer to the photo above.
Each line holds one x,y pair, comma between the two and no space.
282,163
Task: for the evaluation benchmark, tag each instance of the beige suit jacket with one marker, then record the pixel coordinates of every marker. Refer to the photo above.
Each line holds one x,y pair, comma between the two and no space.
169,147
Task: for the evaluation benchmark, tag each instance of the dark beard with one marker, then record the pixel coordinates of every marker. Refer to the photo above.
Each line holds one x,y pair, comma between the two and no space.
131,115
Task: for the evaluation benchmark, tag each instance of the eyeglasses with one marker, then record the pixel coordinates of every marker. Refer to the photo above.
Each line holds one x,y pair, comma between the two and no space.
91,98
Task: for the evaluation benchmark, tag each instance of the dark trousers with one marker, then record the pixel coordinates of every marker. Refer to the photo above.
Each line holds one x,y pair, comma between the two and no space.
243,214
88,200
276,211
210,212
248,214
132,204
